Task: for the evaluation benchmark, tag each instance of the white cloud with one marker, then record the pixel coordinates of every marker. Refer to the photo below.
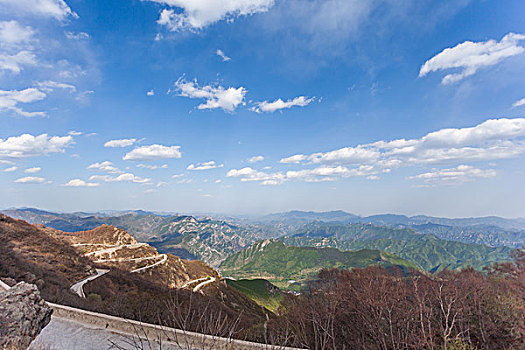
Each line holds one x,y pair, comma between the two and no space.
80,183
199,14
127,177
184,181
222,55
16,47
216,96
458,175
152,167
492,139
15,62
27,145
75,133
151,92
10,169
9,100
470,56
105,166
175,176
350,155
13,34
32,170
519,103
77,36
50,85
31,180
204,166
153,152
120,143
269,107
255,159
57,9
319,174
250,174
83,97
295,159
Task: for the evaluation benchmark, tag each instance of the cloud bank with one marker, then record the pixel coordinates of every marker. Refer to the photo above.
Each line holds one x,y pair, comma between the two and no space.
468,57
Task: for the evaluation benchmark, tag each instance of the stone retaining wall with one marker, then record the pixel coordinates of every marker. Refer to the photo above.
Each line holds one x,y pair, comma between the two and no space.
151,331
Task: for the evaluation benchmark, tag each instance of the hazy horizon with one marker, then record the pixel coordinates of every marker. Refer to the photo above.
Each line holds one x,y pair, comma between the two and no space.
243,215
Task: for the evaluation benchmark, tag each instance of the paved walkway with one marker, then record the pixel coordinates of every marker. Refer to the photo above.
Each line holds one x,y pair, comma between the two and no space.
63,334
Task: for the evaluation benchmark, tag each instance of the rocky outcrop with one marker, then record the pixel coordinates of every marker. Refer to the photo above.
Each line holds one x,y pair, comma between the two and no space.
23,314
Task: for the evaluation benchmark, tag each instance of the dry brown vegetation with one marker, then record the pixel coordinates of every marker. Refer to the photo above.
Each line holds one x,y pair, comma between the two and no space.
28,253
373,308
35,254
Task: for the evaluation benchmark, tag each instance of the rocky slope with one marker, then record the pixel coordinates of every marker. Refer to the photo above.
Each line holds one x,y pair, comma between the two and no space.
208,239
141,283
33,254
113,248
23,314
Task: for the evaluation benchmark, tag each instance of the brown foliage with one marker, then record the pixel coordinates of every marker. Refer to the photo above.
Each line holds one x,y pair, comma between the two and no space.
374,308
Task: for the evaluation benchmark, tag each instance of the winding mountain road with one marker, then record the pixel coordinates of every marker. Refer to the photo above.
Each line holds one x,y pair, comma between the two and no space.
112,248
194,281
78,287
202,284
162,261
203,281
109,249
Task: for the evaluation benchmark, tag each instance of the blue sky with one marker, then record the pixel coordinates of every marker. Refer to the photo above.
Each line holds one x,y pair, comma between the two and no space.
257,106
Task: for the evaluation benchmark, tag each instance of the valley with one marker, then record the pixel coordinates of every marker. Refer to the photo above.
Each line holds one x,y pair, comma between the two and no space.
259,265
292,267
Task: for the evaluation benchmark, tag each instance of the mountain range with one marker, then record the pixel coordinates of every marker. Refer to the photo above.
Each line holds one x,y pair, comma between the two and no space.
490,230
426,251
286,265
429,246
